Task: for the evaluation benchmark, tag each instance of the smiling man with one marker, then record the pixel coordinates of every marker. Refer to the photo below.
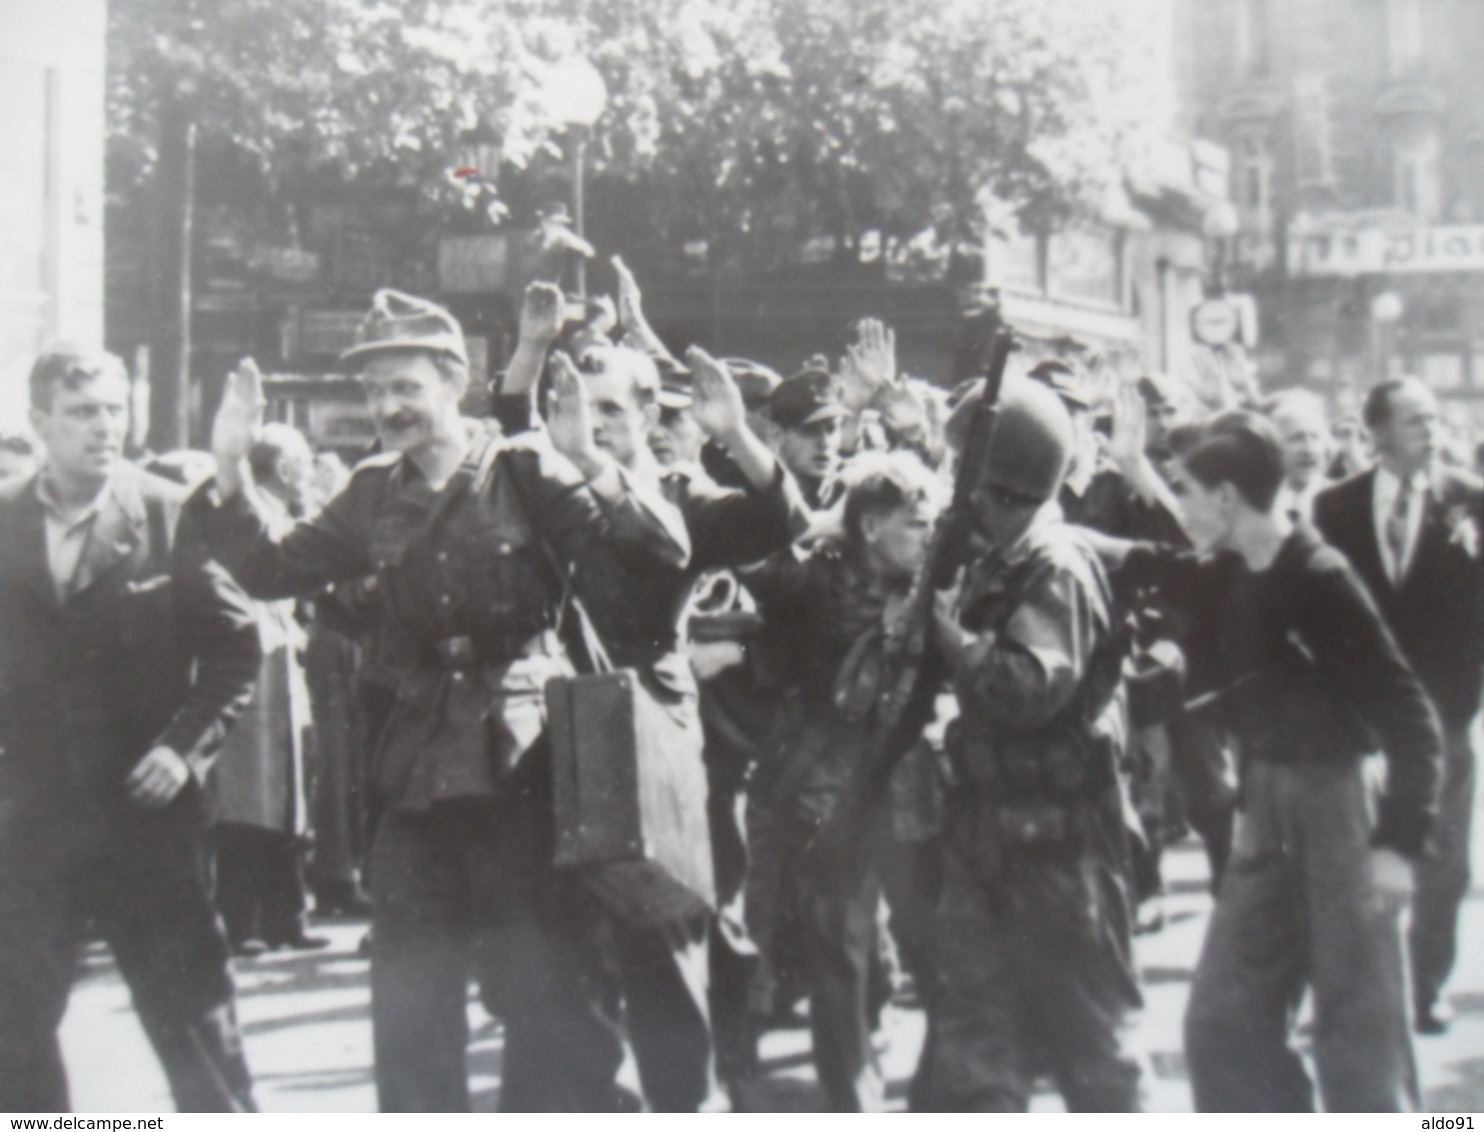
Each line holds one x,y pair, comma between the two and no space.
455,532
1303,427
124,655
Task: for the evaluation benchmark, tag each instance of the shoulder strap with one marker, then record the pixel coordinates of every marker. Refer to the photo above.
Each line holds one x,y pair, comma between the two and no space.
592,643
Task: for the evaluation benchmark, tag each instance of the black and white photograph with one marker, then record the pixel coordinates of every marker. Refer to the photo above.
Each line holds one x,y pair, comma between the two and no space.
741,556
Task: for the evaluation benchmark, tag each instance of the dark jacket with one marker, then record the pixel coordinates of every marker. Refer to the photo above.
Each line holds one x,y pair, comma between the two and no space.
824,608
156,647
1437,615
1306,668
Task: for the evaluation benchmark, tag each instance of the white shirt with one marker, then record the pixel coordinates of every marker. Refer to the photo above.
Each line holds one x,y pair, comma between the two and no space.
66,535
1387,487
1298,503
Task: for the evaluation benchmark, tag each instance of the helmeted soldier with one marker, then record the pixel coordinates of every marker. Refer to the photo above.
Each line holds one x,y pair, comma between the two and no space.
453,530
1033,917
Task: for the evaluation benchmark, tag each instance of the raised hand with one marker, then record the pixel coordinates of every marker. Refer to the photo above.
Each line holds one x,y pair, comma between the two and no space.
717,402
720,411
631,320
542,311
630,299
1130,429
870,365
238,423
569,418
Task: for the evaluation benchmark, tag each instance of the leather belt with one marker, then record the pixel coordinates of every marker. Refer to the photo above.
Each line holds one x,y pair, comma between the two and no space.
472,652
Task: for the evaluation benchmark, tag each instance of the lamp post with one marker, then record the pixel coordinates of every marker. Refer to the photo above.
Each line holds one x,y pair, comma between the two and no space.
1219,226
1386,311
574,94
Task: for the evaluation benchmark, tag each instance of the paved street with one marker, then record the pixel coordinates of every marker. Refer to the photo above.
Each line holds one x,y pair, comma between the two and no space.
309,1039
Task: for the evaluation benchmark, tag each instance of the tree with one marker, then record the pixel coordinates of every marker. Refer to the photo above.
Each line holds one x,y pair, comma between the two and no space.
297,86
757,126
761,124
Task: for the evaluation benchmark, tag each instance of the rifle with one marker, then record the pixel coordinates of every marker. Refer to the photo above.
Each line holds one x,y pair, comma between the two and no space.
841,850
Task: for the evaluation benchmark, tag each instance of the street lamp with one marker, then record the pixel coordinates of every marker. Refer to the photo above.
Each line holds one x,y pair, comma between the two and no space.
574,94
1219,225
1386,312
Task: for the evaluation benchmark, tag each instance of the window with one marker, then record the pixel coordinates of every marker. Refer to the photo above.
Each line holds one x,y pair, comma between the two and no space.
1254,37
1404,38
1085,264
1254,178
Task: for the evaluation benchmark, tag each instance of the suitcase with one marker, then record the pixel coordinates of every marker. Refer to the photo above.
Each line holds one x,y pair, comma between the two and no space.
630,794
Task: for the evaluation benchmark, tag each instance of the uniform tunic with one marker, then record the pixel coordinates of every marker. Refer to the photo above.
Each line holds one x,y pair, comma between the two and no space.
1033,919
461,864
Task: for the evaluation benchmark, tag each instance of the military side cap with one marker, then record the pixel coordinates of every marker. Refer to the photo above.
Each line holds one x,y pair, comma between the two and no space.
398,321
808,396
676,389
1062,380
755,381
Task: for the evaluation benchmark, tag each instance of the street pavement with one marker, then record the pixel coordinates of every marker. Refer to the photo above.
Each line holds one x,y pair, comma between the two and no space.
308,1029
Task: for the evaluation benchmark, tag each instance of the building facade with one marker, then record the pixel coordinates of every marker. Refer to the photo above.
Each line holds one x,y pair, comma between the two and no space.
51,190
1356,132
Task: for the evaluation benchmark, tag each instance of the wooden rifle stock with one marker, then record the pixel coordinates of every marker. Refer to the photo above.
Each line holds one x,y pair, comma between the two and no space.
842,848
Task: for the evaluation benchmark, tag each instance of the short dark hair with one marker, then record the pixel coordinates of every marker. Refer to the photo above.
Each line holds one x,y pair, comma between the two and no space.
273,442
1377,408
1243,449
877,483
69,367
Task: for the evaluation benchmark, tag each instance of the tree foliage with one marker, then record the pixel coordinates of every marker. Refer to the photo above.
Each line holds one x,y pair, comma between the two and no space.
770,122
748,123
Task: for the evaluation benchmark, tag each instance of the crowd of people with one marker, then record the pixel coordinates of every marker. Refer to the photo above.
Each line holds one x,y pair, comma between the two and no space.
228,680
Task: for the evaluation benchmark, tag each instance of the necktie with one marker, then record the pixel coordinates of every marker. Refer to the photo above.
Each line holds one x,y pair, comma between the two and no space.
1396,531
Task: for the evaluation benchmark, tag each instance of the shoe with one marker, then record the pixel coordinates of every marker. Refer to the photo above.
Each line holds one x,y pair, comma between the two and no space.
301,942
364,947
356,906
249,948
1434,1019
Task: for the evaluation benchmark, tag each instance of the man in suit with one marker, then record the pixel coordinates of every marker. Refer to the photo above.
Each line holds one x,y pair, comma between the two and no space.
1303,426
124,654
1411,528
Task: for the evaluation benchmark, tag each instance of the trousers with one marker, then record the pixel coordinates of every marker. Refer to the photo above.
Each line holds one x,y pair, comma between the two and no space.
663,974
144,884
1298,909
1443,879
259,883
466,888
1036,971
